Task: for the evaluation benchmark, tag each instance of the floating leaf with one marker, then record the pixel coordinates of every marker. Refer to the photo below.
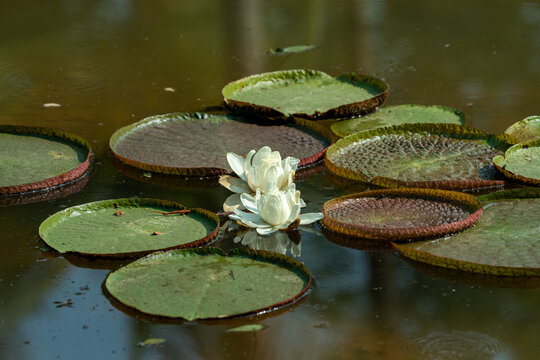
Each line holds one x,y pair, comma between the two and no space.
128,227
521,162
504,241
151,341
399,114
305,94
206,284
248,328
35,158
196,144
527,129
291,50
444,156
401,214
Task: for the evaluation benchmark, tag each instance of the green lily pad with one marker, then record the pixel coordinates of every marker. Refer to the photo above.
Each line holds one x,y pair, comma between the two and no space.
397,115
195,144
206,284
504,241
521,162
305,94
127,228
35,158
527,129
401,214
291,50
444,156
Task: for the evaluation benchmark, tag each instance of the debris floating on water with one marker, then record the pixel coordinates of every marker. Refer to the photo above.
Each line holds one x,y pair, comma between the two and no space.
51,105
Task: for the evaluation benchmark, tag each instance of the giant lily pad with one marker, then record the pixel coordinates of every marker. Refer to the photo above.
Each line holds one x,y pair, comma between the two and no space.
128,227
504,241
35,158
444,156
305,94
527,129
521,162
399,114
401,214
206,284
196,144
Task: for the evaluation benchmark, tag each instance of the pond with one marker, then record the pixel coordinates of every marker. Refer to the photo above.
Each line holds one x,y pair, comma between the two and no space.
109,63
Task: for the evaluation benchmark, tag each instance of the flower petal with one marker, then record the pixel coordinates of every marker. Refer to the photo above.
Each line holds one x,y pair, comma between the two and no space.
261,154
310,218
266,230
249,202
234,184
236,162
233,202
248,219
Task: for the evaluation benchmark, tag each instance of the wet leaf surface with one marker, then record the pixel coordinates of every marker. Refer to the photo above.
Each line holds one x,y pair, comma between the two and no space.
521,162
306,94
206,284
397,115
127,227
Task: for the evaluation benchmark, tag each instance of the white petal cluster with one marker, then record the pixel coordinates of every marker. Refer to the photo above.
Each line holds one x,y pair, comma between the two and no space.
275,204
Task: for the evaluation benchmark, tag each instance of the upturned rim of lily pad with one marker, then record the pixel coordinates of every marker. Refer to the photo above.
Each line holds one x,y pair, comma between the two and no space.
342,111
265,256
382,233
338,126
112,204
461,132
523,131
205,171
61,179
499,162
459,265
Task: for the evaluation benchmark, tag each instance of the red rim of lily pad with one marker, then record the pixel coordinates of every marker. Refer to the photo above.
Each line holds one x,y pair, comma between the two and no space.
423,210
263,256
277,77
155,143
462,133
61,179
117,221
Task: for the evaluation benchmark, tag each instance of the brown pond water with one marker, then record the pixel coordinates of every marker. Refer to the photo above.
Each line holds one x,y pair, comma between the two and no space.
107,63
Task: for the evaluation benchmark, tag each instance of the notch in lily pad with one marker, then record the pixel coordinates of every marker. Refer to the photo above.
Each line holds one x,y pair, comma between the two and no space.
308,94
37,158
206,284
401,214
128,228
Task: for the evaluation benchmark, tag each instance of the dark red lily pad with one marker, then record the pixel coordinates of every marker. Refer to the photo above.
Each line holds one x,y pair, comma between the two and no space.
37,158
196,144
401,214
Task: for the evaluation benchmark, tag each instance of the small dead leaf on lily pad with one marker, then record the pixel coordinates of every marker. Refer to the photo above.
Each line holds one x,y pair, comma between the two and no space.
247,328
151,342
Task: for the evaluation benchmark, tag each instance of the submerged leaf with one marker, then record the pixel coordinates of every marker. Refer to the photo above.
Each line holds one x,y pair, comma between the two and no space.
291,50
305,94
151,341
206,284
248,328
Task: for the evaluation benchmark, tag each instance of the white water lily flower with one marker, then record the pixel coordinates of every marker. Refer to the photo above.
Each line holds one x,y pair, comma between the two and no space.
256,171
274,210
